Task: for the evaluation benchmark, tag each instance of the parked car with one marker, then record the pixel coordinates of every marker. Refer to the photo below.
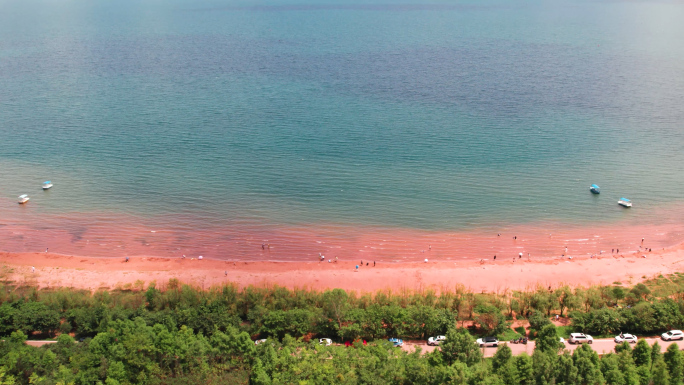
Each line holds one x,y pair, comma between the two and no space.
580,338
673,335
257,342
350,343
433,341
396,341
487,342
325,341
631,338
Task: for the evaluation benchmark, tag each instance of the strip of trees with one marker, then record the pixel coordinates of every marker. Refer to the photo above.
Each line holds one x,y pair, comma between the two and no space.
178,334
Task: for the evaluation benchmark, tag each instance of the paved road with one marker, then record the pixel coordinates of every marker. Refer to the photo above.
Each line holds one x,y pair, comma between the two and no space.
39,343
601,346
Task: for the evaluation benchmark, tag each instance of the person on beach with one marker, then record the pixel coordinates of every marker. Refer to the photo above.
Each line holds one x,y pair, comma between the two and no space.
126,259
336,259
46,249
183,256
33,269
495,257
429,247
373,263
225,273
263,246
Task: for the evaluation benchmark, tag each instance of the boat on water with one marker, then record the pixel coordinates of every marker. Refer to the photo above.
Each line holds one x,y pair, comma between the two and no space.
625,202
23,199
595,189
47,185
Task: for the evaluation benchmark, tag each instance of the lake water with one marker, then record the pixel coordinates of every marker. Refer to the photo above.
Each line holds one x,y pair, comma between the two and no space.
225,125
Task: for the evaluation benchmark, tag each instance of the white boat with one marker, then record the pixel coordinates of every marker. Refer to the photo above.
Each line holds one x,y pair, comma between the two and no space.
625,202
23,199
47,185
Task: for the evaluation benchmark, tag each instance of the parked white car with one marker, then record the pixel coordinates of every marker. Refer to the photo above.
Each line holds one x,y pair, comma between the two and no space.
487,342
580,338
631,338
673,335
433,341
257,342
325,341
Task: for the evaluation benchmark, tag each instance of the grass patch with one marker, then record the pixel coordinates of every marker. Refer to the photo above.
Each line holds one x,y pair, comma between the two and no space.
521,330
508,335
564,331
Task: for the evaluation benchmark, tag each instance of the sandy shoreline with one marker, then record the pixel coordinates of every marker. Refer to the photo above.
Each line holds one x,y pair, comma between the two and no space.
52,270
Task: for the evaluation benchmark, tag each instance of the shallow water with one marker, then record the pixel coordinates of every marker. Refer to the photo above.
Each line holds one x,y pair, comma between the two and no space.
238,121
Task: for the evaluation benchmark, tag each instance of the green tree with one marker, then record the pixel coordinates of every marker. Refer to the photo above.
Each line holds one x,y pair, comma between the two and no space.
642,354
502,364
36,316
624,346
538,320
627,367
335,306
501,358
611,372
460,346
640,291
565,298
586,361
673,360
655,353
524,372
7,313
659,373
548,340
490,319
544,367
259,376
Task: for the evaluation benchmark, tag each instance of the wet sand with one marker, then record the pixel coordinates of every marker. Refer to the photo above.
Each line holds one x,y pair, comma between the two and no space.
52,270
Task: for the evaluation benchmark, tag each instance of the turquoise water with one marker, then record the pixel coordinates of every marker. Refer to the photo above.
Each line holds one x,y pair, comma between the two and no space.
435,116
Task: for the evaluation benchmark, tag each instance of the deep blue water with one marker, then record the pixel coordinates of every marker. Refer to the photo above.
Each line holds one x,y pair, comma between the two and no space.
438,116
